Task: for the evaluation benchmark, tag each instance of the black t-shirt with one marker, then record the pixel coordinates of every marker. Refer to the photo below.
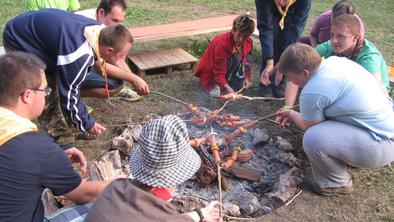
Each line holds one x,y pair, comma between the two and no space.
29,163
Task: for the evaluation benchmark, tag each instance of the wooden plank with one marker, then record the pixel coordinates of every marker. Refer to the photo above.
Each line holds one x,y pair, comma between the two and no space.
162,54
137,61
174,56
161,58
187,28
187,56
246,173
146,60
181,54
169,70
157,60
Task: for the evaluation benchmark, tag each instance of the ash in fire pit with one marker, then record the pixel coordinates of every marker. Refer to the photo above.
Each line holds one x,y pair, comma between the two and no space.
265,176
271,160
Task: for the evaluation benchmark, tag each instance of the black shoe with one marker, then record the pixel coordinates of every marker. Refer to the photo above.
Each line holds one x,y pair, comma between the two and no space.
265,91
278,91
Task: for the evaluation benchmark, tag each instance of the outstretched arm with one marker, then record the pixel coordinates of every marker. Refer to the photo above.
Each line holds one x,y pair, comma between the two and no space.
87,191
122,71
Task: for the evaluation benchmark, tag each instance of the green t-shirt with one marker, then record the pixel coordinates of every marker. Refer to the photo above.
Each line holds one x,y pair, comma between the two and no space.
369,57
67,5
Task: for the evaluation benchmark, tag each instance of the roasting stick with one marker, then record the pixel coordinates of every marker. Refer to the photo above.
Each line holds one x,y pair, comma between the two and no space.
190,106
262,98
217,111
273,121
295,196
169,97
219,167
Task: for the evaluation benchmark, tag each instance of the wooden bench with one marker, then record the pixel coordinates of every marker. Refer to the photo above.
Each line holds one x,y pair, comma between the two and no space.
161,58
168,58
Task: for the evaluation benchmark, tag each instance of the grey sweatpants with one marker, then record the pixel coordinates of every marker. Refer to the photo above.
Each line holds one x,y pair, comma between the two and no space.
331,146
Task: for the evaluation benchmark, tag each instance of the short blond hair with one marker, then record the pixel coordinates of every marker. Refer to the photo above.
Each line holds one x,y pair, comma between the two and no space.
298,57
348,20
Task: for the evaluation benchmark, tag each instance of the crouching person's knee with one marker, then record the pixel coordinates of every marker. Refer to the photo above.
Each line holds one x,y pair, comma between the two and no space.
312,140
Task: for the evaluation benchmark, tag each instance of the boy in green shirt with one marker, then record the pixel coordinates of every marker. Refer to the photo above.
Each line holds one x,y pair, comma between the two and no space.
346,42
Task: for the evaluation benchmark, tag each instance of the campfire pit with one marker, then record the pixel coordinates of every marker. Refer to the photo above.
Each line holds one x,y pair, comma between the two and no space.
265,175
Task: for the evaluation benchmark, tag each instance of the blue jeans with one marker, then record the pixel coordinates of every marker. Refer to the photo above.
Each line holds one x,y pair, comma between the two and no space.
73,213
95,80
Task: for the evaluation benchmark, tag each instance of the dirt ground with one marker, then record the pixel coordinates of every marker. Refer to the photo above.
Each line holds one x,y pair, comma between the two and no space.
372,200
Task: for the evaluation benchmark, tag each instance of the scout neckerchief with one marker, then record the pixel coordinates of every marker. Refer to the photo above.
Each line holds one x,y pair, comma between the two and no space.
161,193
283,12
91,34
356,50
12,125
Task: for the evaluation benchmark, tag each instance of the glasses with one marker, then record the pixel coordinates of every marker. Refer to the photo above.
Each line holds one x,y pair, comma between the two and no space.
46,90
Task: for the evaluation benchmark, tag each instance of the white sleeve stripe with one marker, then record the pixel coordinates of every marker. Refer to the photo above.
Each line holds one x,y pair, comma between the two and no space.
84,49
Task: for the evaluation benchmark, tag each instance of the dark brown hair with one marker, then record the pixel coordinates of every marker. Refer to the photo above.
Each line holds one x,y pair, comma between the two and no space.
18,71
343,7
244,24
115,36
107,5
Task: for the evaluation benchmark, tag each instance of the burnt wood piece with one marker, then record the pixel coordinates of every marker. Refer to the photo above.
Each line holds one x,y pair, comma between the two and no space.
205,175
245,173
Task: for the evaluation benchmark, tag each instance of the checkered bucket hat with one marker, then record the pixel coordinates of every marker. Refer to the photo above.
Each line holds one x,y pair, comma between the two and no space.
164,157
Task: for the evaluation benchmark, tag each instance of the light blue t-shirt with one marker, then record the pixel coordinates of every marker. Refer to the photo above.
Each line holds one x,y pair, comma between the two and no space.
344,91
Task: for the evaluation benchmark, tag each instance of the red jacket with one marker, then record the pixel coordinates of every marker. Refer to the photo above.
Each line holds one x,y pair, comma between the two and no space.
213,64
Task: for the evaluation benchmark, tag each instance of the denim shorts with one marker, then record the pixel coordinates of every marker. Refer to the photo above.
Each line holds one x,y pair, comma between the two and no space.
95,80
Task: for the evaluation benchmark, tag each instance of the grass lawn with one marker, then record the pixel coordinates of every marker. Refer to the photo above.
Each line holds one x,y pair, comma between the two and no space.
377,15
373,199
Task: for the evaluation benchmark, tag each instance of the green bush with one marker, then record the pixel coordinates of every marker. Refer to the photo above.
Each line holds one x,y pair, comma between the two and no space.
198,47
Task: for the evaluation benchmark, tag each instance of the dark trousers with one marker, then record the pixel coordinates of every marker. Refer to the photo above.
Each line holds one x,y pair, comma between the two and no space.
272,38
236,71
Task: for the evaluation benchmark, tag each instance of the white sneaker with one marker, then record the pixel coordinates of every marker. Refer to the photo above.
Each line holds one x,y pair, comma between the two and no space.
127,94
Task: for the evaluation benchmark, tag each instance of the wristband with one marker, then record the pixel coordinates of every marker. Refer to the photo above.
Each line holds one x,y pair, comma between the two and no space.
288,107
199,212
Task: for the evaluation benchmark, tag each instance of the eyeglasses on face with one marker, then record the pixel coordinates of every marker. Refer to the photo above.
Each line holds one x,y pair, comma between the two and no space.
46,90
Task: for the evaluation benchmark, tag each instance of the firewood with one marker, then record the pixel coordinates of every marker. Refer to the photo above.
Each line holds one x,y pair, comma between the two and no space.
245,173
205,175
245,155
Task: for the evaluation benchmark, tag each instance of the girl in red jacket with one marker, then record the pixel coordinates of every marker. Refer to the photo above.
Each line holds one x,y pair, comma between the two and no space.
226,62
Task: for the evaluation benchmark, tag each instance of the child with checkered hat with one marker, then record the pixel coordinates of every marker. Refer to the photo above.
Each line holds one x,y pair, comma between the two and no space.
162,160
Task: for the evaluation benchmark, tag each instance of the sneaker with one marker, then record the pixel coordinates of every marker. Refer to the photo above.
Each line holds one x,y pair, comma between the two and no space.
334,191
90,109
127,94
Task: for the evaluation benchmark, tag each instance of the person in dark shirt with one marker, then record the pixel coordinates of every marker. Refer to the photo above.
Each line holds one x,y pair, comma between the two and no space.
69,44
29,160
280,23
